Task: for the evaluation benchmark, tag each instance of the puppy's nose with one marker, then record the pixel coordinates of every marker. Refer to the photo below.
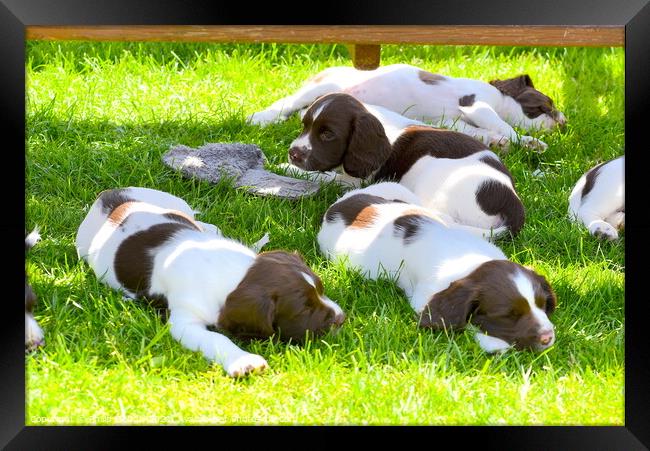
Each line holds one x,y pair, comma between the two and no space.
561,121
297,154
546,337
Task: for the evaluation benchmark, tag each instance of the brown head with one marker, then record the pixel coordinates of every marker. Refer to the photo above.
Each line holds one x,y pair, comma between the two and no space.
279,295
504,299
339,131
536,106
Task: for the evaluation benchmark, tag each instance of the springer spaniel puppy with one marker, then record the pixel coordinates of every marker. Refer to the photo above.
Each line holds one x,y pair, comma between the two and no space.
34,336
451,172
451,277
147,243
598,199
486,111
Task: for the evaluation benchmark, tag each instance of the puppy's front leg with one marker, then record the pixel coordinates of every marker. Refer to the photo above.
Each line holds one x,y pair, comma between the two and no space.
322,176
285,107
192,333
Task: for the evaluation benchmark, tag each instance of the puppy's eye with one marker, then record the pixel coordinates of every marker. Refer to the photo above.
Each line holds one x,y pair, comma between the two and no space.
327,135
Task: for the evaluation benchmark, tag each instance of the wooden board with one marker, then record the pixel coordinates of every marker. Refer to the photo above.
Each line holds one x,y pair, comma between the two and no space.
534,35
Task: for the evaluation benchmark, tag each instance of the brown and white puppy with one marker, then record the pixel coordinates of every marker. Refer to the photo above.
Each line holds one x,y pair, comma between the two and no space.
450,172
451,277
147,243
486,111
598,199
34,336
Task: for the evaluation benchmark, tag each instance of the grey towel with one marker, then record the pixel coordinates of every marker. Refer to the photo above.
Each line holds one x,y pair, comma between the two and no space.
242,163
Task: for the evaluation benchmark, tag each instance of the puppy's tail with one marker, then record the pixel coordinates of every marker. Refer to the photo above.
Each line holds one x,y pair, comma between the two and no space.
31,239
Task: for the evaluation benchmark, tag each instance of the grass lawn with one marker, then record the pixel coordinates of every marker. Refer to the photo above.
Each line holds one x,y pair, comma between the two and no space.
100,115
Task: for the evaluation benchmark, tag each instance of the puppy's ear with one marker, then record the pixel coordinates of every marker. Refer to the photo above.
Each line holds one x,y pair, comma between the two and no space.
368,146
551,299
450,307
513,86
247,313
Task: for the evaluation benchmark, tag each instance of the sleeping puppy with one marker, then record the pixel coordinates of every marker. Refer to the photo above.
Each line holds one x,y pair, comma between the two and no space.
148,244
34,336
598,199
451,277
449,171
486,111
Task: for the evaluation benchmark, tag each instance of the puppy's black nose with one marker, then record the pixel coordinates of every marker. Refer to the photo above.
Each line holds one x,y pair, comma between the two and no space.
297,154
339,318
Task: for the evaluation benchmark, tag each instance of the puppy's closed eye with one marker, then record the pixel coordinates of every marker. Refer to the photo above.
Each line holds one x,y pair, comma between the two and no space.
326,135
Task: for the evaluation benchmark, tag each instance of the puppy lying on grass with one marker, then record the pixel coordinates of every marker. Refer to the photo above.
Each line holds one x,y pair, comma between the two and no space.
148,244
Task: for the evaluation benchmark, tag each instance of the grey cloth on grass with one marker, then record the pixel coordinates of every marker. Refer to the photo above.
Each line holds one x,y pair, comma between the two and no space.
242,163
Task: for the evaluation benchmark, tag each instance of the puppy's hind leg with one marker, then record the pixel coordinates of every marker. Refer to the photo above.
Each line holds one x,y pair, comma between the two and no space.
482,114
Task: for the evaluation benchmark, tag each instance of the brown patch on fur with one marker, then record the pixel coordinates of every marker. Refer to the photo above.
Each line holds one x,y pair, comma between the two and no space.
430,78
356,211
533,102
489,298
590,181
418,141
495,198
182,218
120,212
467,100
408,225
111,199
274,298
133,261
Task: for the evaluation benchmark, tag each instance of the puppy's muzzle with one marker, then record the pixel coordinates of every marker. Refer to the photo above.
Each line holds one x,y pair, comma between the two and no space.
298,155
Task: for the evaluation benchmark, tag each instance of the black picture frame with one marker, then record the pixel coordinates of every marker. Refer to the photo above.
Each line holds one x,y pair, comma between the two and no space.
15,15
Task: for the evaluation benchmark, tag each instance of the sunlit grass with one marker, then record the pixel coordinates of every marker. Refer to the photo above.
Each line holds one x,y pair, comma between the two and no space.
100,116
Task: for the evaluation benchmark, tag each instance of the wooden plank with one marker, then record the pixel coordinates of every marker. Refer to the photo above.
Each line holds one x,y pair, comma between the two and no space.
533,35
364,56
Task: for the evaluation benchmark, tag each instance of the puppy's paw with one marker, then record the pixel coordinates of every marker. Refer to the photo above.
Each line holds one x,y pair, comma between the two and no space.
264,118
291,170
491,344
601,229
34,336
499,143
533,143
246,364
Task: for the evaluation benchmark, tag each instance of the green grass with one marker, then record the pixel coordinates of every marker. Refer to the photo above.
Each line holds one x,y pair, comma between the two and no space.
100,115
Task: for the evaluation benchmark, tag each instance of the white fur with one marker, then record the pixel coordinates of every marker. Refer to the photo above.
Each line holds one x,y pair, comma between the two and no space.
438,256
195,271
34,335
398,88
600,210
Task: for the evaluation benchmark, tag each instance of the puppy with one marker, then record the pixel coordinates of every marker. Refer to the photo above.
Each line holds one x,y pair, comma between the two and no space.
598,199
486,111
449,171
34,336
451,277
148,244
